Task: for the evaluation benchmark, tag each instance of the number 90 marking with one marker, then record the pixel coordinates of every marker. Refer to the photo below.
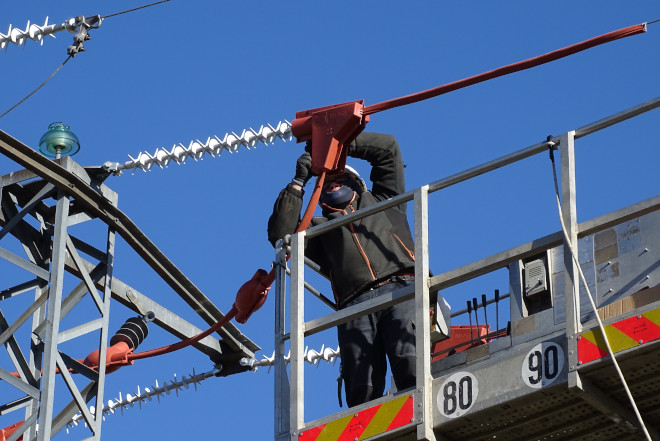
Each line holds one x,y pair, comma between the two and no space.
542,365
457,394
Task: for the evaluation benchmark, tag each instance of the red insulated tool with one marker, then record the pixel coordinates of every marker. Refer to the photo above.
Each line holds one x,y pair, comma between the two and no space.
329,128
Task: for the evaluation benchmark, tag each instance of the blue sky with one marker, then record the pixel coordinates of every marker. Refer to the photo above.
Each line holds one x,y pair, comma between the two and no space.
181,71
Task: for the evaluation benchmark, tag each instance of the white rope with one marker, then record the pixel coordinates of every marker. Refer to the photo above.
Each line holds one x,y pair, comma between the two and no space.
593,305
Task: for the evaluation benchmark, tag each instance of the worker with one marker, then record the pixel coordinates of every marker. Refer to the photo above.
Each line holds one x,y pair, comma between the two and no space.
363,259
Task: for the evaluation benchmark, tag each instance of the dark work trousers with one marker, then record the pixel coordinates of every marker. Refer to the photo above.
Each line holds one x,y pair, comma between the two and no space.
366,341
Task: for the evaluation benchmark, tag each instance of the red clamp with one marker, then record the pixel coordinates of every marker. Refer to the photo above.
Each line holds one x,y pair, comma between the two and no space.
252,295
330,128
116,356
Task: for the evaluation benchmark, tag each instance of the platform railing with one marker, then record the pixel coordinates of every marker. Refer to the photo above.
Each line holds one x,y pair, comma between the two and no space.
289,407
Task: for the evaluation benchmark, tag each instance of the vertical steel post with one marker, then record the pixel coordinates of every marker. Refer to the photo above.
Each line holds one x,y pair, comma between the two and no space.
104,337
568,208
36,358
53,316
282,401
297,395
571,279
422,315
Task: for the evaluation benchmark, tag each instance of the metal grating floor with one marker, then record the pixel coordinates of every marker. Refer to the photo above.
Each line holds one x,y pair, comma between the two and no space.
559,413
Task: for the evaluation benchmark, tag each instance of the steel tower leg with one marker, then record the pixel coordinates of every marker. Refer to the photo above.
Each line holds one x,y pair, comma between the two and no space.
282,401
52,328
41,392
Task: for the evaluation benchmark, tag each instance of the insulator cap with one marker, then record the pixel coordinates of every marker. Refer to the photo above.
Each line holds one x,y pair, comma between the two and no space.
59,140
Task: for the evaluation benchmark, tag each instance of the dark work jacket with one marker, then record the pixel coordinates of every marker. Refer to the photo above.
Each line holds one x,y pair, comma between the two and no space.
361,254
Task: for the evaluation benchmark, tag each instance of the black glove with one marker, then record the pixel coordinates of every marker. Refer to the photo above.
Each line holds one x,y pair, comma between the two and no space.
303,169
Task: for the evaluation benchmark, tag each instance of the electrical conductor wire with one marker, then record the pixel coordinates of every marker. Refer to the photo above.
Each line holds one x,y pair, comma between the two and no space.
134,9
70,56
35,90
591,301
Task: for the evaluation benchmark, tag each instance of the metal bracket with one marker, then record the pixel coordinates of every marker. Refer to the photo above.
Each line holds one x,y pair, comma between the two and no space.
83,25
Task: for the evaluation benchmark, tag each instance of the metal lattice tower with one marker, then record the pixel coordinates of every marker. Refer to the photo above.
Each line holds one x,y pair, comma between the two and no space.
51,273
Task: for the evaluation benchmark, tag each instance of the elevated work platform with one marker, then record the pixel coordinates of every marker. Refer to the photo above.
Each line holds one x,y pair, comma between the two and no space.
548,375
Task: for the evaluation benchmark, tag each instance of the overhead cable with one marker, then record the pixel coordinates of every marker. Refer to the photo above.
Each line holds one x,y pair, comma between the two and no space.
79,25
135,9
39,87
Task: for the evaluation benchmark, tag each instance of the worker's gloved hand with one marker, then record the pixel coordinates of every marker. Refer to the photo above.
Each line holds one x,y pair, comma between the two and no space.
303,169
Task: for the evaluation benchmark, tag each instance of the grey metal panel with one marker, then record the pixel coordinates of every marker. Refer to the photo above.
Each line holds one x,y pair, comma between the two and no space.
559,413
634,259
534,326
617,262
585,258
497,380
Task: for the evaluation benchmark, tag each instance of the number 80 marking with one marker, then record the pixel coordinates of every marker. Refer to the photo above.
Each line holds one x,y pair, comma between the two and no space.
457,394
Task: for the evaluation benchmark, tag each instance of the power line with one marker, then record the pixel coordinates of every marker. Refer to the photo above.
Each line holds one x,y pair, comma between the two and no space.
39,87
134,9
42,30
